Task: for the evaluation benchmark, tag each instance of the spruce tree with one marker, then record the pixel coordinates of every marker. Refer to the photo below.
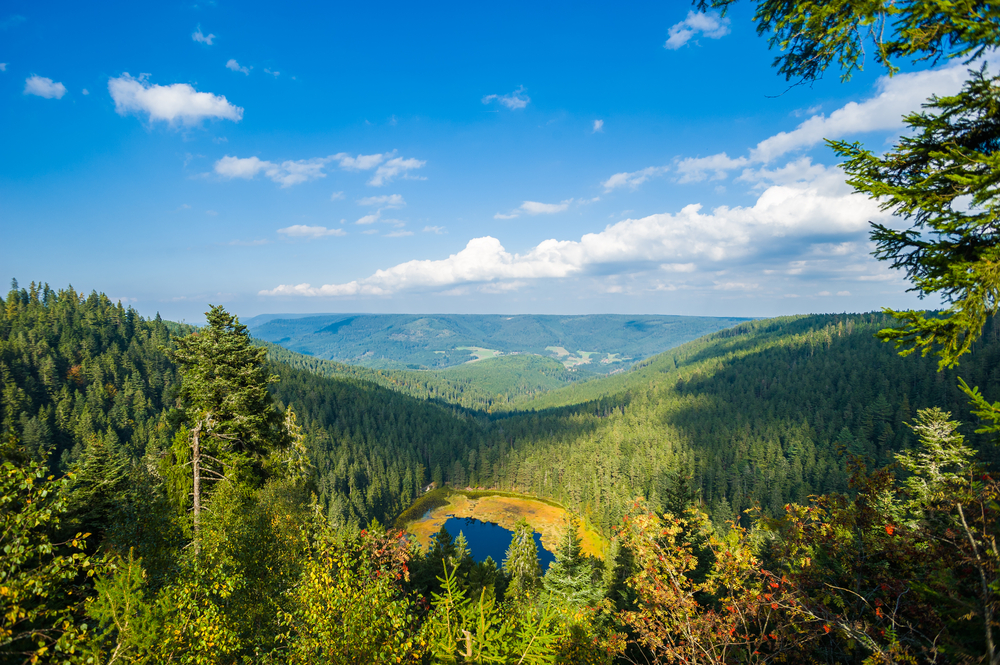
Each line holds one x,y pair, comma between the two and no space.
225,404
521,562
571,577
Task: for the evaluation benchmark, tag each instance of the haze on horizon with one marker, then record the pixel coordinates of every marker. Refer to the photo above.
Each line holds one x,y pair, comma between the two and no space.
566,159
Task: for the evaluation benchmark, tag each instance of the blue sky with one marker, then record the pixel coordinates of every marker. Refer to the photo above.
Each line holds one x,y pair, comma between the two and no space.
514,158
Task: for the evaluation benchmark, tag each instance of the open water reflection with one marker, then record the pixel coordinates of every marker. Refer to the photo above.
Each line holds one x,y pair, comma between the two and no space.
488,539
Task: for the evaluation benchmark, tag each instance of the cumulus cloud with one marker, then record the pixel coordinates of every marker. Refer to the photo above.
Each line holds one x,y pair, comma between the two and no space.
439,230
785,217
43,87
3,66
634,179
398,234
397,166
387,201
336,196
201,38
598,126
286,174
302,231
235,66
710,25
171,103
513,101
535,208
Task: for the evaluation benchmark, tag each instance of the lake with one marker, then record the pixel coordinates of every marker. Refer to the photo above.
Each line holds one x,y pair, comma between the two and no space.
491,540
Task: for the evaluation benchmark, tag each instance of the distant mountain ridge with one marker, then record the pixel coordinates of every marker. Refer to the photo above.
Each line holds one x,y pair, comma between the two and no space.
594,343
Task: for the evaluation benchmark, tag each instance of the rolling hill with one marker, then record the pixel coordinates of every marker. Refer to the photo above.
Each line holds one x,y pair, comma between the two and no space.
593,344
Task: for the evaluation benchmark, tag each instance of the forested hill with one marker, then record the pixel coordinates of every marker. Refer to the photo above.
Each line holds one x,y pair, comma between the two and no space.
598,343
495,384
752,413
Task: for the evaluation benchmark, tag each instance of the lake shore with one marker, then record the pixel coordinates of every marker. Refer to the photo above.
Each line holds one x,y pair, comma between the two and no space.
546,517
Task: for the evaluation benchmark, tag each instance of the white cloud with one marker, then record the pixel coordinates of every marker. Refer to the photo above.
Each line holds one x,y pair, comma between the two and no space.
235,66
396,166
513,101
359,163
336,196
598,126
694,169
398,234
370,219
286,173
86,92
439,230
43,87
273,73
387,201
710,25
3,66
302,231
634,179
201,38
535,208
293,172
172,103
784,219
897,96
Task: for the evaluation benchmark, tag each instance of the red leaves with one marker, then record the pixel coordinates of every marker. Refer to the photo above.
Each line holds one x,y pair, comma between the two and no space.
889,529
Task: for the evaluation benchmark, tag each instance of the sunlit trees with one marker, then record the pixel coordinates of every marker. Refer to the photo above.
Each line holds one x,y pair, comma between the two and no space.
44,582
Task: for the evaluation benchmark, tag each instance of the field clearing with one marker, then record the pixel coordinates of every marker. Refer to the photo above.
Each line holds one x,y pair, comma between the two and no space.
479,353
548,519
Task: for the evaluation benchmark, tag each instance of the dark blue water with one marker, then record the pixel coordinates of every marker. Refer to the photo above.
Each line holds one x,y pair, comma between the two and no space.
491,540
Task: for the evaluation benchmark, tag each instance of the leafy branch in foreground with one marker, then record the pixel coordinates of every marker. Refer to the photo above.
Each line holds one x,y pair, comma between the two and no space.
44,584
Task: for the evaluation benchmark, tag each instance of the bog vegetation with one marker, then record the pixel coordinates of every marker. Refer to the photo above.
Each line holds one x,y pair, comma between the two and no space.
788,490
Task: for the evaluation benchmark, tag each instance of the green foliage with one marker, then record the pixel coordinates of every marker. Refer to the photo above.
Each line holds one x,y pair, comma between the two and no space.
943,178
76,368
521,562
44,583
813,35
225,379
573,579
462,630
349,605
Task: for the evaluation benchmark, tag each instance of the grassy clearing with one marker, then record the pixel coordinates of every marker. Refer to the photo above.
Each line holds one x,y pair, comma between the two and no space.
547,517
479,353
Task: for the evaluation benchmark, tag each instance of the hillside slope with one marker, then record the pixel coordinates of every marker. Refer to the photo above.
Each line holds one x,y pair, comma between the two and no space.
591,344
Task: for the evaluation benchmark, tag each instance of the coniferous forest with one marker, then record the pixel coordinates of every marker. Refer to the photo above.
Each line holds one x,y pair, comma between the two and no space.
815,488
